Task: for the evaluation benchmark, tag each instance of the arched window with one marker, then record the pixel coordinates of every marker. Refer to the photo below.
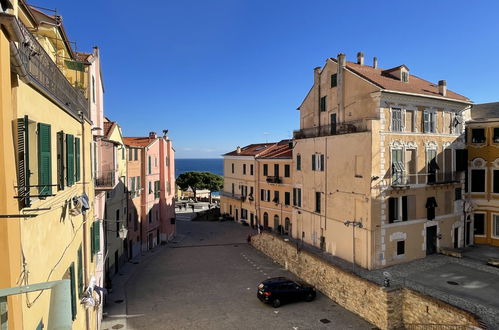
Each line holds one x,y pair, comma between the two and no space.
265,220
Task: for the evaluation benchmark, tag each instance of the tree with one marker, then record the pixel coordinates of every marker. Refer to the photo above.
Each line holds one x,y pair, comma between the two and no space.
212,182
193,180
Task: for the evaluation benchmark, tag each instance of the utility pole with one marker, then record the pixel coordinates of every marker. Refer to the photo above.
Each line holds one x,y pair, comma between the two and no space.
353,224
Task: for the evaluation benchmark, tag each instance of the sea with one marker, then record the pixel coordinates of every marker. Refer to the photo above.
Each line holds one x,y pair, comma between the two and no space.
213,165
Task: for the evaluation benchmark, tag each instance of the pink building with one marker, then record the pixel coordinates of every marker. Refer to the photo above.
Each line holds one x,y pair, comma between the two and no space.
151,183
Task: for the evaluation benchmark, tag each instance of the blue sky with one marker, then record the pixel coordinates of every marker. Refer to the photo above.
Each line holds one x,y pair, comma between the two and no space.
223,73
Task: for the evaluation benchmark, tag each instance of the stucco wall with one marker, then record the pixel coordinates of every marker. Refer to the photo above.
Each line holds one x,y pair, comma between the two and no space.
386,308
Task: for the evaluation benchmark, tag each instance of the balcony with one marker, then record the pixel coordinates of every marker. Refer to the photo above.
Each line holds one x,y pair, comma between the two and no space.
37,69
105,180
274,179
403,179
332,129
231,195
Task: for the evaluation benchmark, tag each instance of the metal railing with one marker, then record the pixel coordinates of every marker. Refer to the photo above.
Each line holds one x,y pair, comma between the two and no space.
332,129
230,195
274,179
44,73
405,179
106,179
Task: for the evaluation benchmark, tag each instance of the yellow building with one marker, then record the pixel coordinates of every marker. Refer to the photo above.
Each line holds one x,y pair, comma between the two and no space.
378,164
482,218
258,185
47,227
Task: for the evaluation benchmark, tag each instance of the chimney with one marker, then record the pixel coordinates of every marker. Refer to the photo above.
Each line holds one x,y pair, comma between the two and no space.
238,149
341,60
317,73
360,58
153,135
341,86
375,62
442,87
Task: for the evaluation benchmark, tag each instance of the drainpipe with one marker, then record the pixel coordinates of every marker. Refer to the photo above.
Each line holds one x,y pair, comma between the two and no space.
341,62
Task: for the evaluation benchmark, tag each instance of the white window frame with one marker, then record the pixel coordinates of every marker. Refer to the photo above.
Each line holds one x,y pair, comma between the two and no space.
432,113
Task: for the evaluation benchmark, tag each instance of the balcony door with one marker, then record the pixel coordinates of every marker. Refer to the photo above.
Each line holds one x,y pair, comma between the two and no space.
333,124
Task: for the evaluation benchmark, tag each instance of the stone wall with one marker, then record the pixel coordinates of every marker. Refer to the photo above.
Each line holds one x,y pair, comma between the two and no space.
387,308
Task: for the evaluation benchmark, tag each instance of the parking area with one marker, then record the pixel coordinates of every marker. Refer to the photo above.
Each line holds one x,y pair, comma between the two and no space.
208,280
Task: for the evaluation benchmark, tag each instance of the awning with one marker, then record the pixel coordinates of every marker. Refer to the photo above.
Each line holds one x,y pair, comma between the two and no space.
431,202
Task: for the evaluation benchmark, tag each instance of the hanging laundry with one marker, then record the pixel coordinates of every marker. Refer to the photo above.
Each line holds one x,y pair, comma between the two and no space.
84,203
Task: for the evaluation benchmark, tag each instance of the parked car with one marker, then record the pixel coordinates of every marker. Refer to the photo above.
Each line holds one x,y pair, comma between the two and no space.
278,290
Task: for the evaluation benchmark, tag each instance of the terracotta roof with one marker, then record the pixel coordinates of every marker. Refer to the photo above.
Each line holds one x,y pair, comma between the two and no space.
107,127
265,150
138,141
279,150
385,80
82,57
251,150
485,110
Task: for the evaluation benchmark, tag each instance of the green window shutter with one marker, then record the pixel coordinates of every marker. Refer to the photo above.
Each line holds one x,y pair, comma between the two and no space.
60,160
149,165
80,273
23,172
77,159
73,290
96,237
92,247
44,160
70,159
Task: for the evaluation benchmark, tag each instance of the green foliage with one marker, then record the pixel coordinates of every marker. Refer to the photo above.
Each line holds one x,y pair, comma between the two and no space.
200,180
212,182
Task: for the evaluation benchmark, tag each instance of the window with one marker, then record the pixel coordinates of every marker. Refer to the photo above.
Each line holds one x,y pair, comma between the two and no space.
276,197
70,274
70,163
122,153
478,180
495,188
400,248
495,225
149,216
167,161
334,80
495,138
232,189
297,197
44,160
478,135
405,76
150,187
449,203
149,165
479,224
276,170
244,169
317,162
298,162
286,171
136,154
429,120
265,169
232,168
117,223
458,194
265,195
318,202
431,204
130,154
4,313
95,237
432,165
251,169
156,189
139,187
287,198
396,120
230,209
155,161
323,104
401,208
398,166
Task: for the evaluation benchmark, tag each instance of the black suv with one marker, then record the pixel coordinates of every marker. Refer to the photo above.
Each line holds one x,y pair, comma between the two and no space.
277,290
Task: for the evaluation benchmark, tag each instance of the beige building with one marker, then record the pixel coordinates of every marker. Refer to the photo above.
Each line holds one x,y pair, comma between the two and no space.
378,164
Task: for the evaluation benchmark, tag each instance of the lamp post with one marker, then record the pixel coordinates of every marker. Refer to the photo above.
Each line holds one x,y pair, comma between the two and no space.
353,224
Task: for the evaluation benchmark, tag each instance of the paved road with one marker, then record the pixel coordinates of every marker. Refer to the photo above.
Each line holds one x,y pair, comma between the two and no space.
208,281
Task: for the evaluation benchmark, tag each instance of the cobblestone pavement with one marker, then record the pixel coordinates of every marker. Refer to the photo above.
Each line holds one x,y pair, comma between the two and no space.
208,281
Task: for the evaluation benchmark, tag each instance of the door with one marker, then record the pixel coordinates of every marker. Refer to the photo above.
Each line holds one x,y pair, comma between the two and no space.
252,220
333,124
237,215
468,230
431,240
456,238
157,237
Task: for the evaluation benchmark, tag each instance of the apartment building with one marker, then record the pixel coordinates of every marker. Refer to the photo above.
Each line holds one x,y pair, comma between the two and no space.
482,211
151,183
275,187
258,185
379,164
49,235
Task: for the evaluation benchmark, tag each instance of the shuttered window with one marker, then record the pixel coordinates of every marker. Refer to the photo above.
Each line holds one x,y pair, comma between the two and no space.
95,236
73,290
70,160
23,173
60,160
44,160
80,273
77,159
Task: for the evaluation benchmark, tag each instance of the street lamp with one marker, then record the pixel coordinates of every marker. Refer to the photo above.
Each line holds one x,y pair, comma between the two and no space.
353,224
123,232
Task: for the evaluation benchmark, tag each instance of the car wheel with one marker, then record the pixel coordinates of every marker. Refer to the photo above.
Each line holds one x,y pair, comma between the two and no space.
276,303
309,297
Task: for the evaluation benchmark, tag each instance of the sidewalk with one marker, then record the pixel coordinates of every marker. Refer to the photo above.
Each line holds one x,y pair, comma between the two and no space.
115,310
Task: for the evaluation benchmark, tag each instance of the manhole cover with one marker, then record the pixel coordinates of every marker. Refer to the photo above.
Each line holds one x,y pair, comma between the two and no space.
119,301
452,283
325,321
117,326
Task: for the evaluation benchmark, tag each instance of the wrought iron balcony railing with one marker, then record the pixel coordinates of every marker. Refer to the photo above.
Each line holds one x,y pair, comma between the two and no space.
42,73
399,179
230,195
274,179
332,129
105,180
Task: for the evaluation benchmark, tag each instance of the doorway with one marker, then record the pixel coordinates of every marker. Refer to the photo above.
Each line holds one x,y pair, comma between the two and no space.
456,238
149,241
431,240
333,124
252,220
158,239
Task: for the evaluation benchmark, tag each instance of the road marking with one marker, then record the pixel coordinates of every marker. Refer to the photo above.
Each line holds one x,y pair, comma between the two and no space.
277,312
